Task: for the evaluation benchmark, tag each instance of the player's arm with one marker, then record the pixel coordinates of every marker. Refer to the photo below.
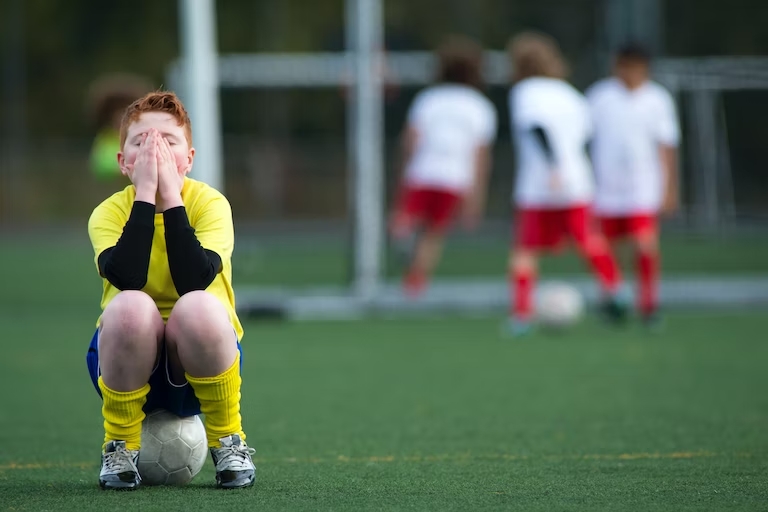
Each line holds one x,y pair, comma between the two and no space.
407,148
192,266
483,158
474,204
410,136
668,135
540,134
123,248
668,155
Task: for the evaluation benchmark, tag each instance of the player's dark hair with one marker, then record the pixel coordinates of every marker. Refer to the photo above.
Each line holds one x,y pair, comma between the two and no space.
460,61
634,52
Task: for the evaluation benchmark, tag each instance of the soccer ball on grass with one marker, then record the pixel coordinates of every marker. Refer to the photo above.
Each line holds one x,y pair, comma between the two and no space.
173,449
558,306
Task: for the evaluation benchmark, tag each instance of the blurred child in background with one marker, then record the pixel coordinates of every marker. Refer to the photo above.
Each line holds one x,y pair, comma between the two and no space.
108,98
634,152
554,187
446,154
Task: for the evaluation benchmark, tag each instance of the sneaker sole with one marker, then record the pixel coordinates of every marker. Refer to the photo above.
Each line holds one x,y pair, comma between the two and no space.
118,486
236,485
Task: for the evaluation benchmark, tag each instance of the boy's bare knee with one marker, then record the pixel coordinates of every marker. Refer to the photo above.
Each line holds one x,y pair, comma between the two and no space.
647,242
197,306
522,260
197,314
132,311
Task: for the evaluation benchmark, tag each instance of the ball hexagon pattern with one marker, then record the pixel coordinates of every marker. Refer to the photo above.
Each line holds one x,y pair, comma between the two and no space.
173,449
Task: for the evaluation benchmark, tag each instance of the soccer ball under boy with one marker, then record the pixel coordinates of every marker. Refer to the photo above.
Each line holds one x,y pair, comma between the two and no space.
558,305
173,449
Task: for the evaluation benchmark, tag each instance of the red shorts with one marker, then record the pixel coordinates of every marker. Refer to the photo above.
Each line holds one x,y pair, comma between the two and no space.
431,207
548,228
616,227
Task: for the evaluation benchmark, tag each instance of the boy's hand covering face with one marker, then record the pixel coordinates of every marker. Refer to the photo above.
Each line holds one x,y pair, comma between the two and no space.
170,177
144,172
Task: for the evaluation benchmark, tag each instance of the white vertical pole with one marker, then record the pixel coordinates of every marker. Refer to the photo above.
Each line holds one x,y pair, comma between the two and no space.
366,34
350,85
201,87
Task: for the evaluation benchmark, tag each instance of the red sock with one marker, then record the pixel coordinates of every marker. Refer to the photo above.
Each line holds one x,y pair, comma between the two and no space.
415,282
604,265
648,278
521,291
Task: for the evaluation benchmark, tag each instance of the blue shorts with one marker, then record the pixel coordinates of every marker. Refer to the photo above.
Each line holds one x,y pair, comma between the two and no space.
163,393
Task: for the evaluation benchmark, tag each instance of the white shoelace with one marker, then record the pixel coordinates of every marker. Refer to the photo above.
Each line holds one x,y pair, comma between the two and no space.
119,461
234,458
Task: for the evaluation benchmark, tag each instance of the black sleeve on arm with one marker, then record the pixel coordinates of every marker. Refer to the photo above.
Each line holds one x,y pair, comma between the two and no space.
192,267
543,140
126,264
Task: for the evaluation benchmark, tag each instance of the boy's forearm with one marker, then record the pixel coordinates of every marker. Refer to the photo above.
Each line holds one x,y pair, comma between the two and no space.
482,173
669,162
192,267
127,263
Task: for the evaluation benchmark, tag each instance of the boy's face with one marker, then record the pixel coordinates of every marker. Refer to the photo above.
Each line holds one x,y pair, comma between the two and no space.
167,125
632,72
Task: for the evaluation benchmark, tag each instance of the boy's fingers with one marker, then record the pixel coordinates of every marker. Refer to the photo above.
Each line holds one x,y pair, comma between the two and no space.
167,151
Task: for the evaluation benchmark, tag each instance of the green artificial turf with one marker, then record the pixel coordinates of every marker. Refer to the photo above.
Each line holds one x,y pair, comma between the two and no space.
439,414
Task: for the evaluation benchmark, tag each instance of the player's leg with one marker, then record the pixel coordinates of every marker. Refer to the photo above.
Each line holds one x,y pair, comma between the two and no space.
535,230
523,268
130,333
429,249
645,237
596,250
405,221
437,209
202,348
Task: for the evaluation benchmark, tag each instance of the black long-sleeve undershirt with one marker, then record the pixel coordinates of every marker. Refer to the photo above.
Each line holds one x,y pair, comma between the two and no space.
541,136
126,265
192,267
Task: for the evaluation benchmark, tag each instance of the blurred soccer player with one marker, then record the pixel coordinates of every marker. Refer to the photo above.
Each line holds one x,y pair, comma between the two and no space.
635,158
108,98
554,186
446,148
168,336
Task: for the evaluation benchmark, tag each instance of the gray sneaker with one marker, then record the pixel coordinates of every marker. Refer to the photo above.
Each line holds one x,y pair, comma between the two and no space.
119,467
234,465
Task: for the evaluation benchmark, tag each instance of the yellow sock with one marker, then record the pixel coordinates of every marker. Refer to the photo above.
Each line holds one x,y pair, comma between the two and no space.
219,398
123,413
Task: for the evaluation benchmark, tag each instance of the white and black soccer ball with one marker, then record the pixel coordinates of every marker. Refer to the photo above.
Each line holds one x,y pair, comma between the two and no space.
558,305
173,449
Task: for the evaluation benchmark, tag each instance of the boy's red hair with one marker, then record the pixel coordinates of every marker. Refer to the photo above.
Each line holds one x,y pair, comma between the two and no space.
158,101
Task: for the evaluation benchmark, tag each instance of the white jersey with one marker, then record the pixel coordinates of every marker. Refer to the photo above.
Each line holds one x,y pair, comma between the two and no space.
451,123
630,127
562,112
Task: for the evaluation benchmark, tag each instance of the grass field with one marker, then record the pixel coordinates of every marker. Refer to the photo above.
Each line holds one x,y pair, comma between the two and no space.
417,414
428,415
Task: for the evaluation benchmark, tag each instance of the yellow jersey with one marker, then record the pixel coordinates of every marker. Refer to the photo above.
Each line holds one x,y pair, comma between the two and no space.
209,214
